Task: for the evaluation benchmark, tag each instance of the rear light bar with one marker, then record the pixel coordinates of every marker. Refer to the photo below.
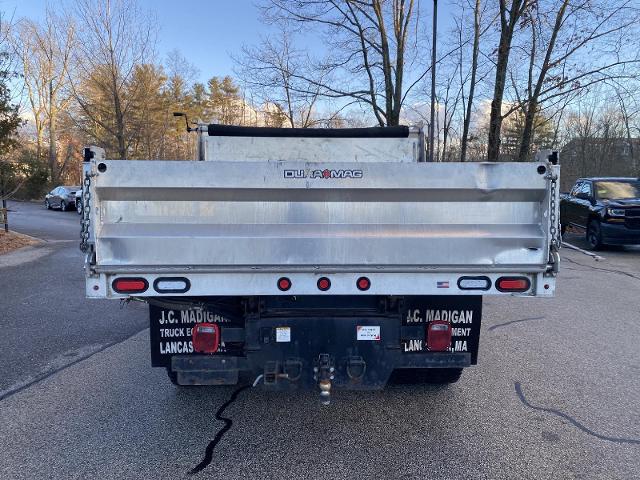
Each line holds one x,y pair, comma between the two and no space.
438,336
474,283
206,337
130,285
171,285
513,284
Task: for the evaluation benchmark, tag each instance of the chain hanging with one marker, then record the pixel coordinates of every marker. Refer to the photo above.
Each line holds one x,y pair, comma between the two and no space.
85,221
554,228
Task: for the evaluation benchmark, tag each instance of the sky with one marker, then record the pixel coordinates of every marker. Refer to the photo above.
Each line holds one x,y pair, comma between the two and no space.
205,32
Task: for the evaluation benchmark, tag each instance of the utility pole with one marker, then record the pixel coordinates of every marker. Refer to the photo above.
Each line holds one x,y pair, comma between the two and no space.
433,82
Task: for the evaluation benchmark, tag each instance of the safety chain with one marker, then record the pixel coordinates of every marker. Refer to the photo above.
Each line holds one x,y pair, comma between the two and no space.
554,228
85,221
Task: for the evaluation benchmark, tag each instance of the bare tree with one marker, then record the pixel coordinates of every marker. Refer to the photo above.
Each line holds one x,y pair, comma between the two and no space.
584,45
45,53
449,106
275,72
629,111
23,47
115,38
472,81
369,50
509,20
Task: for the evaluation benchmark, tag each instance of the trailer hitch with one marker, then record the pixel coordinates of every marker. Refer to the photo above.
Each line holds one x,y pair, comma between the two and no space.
323,373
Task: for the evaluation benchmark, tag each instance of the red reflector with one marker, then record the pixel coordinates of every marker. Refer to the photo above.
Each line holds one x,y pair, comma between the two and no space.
130,285
324,284
439,336
284,284
206,337
513,284
363,283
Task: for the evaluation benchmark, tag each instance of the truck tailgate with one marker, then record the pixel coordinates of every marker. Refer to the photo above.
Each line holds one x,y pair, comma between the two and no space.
235,217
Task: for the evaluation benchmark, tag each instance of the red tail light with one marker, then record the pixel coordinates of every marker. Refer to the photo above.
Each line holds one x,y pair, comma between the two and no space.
438,336
206,337
513,284
130,285
284,284
363,283
324,284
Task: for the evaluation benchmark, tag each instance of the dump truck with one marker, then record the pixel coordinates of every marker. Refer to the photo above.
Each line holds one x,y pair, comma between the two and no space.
316,258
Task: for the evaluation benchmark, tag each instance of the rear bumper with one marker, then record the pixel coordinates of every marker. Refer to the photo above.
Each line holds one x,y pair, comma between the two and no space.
613,234
212,370
355,342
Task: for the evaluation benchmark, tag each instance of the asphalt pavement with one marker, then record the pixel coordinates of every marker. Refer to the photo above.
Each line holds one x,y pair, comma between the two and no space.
46,320
556,393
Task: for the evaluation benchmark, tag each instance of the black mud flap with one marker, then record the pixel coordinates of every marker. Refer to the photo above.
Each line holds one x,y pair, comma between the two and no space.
463,312
170,333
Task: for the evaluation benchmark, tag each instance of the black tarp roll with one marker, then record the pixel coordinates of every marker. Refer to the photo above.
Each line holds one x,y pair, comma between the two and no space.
216,130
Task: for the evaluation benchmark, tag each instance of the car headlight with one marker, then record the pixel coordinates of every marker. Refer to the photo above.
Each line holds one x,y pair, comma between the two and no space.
615,212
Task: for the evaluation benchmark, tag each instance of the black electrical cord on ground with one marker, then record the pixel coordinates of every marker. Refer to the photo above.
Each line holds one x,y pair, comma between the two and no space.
208,454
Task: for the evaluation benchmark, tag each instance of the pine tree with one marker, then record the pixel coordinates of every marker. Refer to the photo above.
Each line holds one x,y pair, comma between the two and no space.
513,128
9,123
224,100
9,117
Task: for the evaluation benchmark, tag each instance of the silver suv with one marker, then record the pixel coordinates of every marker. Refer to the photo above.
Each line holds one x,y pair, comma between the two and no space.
63,197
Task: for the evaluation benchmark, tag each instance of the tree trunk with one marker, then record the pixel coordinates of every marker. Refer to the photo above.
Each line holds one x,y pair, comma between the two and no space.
528,130
386,64
532,107
38,141
507,27
400,30
495,122
53,137
119,118
634,166
627,127
472,86
122,148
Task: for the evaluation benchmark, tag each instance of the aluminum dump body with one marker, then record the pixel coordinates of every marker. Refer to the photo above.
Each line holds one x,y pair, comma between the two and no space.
235,227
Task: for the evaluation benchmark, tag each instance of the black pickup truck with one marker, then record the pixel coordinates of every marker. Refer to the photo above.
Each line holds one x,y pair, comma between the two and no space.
607,209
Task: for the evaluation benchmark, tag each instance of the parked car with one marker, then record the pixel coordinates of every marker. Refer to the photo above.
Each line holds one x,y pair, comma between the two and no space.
79,201
63,197
607,209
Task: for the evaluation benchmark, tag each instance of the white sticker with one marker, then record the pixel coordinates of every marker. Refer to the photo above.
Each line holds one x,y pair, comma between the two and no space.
368,332
283,334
